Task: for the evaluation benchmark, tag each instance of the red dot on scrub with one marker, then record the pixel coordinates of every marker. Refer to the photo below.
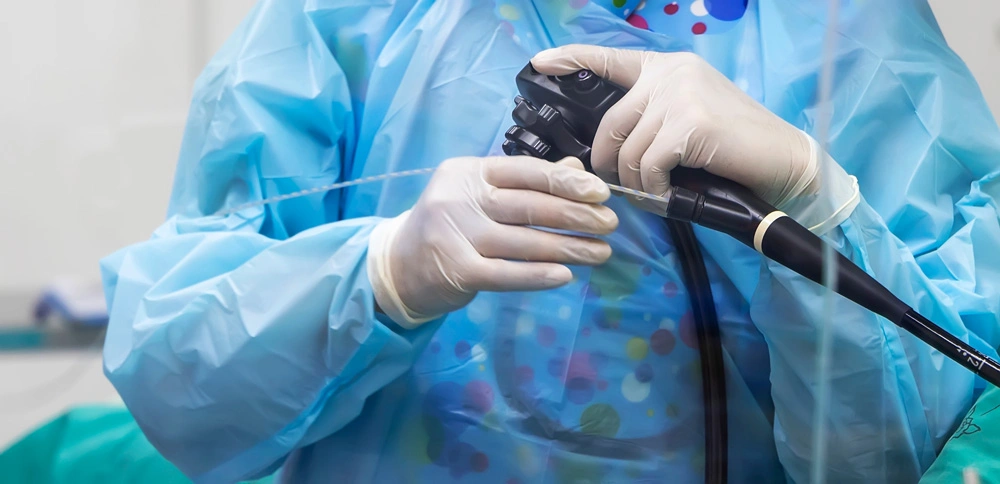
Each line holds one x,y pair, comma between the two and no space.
480,462
638,22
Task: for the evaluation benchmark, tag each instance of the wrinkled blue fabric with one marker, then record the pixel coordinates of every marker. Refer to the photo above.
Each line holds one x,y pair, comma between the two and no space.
248,343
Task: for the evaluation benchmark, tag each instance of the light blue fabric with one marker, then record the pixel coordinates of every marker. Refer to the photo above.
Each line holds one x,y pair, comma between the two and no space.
248,343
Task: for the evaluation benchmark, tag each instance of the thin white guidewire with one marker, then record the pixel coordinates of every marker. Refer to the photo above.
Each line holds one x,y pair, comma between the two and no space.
48,391
824,118
637,193
324,188
384,177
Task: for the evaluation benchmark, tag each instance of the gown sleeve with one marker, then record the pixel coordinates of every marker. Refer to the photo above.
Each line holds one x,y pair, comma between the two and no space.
236,339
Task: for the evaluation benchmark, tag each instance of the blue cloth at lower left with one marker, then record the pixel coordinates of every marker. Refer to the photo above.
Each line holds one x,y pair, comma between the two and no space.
89,444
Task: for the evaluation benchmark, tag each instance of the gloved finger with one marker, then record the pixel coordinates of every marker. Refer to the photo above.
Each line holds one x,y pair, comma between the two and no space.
533,245
575,163
617,124
527,207
560,180
504,275
630,156
664,154
620,66
572,162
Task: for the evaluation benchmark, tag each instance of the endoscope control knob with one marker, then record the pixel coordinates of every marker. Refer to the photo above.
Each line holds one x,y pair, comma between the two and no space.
586,80
523,142
538,120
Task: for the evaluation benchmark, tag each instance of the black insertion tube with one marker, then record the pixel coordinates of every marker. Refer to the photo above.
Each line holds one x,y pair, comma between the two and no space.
713,371
968,356
795,247
730,208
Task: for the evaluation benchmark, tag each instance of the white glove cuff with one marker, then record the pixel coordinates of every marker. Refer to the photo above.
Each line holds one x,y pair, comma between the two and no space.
825,196
380,275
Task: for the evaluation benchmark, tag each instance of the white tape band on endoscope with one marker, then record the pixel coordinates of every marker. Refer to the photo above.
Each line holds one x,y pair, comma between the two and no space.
758,236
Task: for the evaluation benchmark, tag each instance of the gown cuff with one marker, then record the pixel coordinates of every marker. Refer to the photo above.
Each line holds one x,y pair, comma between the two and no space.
380,274
827,195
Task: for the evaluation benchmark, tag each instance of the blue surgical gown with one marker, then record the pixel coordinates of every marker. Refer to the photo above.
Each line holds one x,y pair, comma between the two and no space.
248,343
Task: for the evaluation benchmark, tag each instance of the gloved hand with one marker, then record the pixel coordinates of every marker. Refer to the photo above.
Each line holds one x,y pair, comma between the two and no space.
681,111
469,232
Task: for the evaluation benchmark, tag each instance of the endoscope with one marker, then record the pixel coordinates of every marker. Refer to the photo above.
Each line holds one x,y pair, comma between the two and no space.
558,116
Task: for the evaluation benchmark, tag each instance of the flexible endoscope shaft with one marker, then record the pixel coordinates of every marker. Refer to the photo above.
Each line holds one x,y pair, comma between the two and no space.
795,247
956,349
728,207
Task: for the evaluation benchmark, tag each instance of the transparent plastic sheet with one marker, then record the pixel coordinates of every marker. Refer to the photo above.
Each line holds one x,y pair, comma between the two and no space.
824,341
824,117
825,337
557,386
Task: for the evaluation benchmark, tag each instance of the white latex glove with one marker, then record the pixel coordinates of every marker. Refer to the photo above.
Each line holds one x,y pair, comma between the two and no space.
681,111
469,232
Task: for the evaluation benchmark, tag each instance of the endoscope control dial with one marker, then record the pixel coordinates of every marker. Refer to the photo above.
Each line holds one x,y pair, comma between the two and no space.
520,141
585,81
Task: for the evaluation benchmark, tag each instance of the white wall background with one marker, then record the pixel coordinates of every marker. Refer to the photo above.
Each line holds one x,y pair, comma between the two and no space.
972,28
93,97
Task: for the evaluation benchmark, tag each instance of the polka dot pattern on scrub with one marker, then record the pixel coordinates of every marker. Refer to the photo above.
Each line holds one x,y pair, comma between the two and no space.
688,18
612,355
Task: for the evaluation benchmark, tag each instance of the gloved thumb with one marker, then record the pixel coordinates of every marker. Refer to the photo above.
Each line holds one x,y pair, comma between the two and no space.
571,162
620,66
576,164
